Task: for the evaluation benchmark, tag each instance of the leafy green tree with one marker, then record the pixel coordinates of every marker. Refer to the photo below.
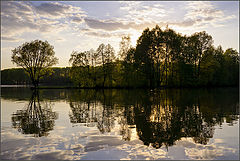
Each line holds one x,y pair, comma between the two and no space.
36,58
110,57
80,71
158,54
129,72
143,57
95,58
219,72
101,52
209,67
231,66
107,56
202,42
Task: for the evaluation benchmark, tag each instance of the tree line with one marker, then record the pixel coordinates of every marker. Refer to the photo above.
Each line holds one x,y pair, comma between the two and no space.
160,58
17,76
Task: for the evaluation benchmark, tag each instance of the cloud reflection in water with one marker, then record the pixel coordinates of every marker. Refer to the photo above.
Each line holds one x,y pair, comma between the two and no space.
125,125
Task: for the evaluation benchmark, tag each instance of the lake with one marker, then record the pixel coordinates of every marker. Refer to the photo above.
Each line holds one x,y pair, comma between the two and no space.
120,124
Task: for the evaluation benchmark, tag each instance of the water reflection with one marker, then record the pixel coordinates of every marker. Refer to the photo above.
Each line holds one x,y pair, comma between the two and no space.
161,117
91,112
37,119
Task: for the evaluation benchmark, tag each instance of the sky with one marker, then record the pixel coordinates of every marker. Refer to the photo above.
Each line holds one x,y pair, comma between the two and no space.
84,25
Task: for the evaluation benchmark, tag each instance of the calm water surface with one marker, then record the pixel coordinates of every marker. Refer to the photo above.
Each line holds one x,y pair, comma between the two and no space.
119,124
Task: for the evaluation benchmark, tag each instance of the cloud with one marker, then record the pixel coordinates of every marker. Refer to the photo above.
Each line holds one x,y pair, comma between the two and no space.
104,34
16,18
52,9
77,20
202,9
14,8
100,34
199,15
3,38
140,15
105,25
111,25
133,17
204,13
207,152
58,10
143,11
20,17
114,28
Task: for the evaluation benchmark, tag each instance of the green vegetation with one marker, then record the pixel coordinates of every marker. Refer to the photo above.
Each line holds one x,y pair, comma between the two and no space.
35,58
161,58
17,76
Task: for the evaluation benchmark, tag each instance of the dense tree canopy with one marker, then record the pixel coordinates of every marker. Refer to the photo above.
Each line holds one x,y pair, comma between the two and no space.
93,68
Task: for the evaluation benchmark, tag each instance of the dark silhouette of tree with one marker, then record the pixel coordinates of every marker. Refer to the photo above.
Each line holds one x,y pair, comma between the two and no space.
124,46
38,119
161,117
144,58
17,76
36,58
201,42
109,58
80,67
209,66
95,63
89,67
128,68
231,66
86,109
102,54
14,76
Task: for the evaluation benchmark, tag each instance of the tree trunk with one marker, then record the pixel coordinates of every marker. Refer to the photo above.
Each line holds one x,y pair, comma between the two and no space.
199,69
104,76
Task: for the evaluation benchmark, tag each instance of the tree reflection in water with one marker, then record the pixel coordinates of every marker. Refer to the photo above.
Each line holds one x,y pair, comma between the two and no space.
161,117
37,119
92,113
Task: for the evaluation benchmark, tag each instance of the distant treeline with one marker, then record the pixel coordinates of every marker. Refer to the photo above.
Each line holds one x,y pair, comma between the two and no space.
17,76
160,58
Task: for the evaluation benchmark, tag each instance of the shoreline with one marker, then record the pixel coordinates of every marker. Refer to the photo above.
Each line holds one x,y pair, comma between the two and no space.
129,88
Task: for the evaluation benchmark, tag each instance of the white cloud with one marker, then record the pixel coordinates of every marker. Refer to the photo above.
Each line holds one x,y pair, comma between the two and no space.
141,12
203,13
207,152
20,17
48,17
